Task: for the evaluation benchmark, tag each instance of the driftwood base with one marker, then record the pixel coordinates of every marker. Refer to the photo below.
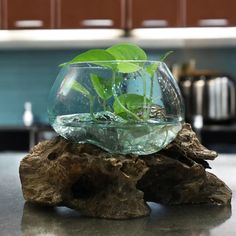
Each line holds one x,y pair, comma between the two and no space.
100,184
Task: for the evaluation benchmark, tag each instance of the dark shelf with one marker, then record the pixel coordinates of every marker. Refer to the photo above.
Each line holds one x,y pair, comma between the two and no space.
219,137
220,127
22,138
24,128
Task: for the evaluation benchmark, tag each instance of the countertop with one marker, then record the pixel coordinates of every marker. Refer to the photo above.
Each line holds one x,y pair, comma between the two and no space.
20,218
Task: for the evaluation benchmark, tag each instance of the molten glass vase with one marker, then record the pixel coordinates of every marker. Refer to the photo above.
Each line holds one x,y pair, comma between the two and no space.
121,106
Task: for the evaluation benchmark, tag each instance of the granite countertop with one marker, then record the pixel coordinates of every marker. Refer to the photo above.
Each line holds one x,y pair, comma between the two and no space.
20,218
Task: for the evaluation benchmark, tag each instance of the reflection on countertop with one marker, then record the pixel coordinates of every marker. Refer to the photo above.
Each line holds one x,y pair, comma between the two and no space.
174,220
20,218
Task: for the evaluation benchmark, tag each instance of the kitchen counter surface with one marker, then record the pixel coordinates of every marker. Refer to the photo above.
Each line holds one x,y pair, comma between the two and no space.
20,218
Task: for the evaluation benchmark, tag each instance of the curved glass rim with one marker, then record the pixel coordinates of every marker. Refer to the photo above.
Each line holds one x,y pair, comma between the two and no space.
115,61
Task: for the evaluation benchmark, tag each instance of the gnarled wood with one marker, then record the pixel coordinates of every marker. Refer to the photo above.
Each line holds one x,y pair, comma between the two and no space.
100,184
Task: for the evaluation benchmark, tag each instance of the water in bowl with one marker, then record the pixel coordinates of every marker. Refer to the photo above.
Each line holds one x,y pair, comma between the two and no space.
115,135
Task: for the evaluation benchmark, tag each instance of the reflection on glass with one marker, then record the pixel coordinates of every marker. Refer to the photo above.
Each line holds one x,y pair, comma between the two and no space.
138,112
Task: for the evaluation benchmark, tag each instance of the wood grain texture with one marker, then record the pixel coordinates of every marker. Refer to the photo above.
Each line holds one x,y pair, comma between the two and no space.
99,184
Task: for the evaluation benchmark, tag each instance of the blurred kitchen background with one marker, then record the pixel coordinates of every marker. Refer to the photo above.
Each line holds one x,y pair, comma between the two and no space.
36,36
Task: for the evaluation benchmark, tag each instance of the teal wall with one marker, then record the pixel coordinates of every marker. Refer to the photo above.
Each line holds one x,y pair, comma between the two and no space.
27,75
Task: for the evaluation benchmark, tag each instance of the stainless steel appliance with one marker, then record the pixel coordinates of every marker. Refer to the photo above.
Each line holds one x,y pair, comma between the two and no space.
208,95
221,98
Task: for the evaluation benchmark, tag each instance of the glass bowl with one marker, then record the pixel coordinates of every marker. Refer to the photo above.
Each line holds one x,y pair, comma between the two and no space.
121,106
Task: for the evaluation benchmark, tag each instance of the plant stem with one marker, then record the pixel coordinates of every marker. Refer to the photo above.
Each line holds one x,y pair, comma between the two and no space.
118,100
104,105
91,101
151,87
145,108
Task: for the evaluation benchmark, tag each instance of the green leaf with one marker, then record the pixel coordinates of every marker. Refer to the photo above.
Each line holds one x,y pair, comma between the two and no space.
103,87
97,56
80,88
132,102
153,66
118,80
118,52
127,51
127,67
163,57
